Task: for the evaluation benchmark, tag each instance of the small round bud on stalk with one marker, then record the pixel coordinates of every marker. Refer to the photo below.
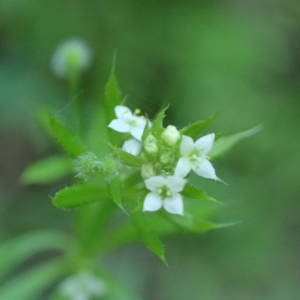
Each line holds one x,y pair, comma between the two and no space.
71,58
171,135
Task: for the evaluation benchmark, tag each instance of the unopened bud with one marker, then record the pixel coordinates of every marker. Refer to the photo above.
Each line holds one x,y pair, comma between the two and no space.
150,144
87,166
71,57
110,167
170,135
166,158
147,171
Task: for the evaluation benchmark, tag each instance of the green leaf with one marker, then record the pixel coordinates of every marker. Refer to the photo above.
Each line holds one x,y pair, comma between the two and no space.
62,135
115,189
15,251
47,170
154,244
147,130
194,130
30,284
112,98
112,94
157,125
78,195
193,192
127,158
225,143
96,128
91,223
189,223
149,237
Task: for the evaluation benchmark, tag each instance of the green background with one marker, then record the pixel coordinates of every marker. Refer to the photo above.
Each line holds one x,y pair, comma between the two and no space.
238,58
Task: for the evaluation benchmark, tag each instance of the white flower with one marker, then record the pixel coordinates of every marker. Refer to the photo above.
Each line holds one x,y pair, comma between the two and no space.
164,192
132,146
128,122
194,157
171,135
71,56
83,286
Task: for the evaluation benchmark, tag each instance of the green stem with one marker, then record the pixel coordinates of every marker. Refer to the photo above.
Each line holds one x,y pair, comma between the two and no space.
91,223
74,94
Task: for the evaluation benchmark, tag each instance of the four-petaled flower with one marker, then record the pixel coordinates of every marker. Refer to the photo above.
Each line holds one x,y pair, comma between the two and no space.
128,122
164,192
194,157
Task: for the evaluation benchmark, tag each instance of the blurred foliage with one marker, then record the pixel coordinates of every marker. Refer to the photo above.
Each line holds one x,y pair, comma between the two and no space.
238,58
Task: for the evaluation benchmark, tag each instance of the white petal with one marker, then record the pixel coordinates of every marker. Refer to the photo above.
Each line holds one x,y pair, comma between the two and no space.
137,132
138,128
205,143
132,146
119,125
187,145
155,182
205,169
122,111
175,183
174,205
183,167
140,121
152,202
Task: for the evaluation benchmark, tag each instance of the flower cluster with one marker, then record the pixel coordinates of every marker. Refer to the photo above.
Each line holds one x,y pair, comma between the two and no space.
87,165
168,158
83,286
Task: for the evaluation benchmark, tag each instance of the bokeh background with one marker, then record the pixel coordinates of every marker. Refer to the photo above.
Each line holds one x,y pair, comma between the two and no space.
238,58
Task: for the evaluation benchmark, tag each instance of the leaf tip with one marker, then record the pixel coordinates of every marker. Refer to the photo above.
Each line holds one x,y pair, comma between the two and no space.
254,130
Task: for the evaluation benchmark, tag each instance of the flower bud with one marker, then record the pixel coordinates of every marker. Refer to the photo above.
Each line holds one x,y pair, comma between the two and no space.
170,135
150,144
71,57
111,167
147,171
87,166
166,157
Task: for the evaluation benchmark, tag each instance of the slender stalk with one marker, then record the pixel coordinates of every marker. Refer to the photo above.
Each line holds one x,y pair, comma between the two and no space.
74,94
91,222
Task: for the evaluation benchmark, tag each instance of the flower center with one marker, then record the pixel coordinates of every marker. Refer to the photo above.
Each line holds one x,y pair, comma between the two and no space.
164,192
132,122
194,155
